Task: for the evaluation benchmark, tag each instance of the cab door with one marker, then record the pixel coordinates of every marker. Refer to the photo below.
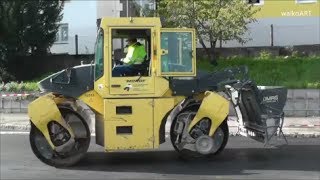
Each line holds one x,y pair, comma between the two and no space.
177,53
136,84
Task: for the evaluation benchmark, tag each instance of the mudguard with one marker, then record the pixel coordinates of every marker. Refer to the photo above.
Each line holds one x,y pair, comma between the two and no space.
213,106
44,110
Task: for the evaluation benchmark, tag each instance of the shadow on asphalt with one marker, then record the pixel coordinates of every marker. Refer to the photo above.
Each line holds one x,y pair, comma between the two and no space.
229,162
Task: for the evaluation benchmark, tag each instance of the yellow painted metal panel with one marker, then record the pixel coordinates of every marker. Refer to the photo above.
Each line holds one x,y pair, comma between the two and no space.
134,21
94,100
288,8
177,30
214,107
102,87
43,110
161,88
131,85
141,121
162,107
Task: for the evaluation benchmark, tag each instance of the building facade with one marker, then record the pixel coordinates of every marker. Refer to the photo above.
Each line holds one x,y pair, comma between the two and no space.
283,23
125,8
279,23
79,18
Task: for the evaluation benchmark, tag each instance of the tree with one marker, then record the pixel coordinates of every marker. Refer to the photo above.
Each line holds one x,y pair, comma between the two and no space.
27,27
148,9
213,19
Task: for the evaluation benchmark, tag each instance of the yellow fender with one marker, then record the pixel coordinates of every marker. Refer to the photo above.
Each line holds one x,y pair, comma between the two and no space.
42,111
213,106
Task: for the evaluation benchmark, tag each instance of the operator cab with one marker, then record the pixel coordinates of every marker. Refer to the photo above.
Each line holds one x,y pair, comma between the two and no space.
119,40
167,53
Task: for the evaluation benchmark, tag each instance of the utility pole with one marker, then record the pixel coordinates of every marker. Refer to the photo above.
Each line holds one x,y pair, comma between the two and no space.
127,8
271,35
140,3
76,41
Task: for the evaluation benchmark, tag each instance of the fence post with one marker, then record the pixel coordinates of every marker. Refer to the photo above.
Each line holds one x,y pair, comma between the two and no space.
1,102
271,35
76,41
307,103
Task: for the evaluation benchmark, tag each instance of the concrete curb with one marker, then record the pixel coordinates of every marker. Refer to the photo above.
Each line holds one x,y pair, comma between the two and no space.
295,127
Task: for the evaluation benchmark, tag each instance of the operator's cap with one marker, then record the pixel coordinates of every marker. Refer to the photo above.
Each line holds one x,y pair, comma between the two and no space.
132,39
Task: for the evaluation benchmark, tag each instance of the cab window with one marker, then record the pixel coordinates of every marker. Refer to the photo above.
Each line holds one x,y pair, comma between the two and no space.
177,49
131,52
99,55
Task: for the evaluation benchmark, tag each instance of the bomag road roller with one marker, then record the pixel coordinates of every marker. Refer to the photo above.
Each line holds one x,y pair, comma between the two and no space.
130,110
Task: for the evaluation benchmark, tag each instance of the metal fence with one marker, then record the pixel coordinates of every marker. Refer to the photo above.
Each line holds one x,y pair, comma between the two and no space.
278,35
258,35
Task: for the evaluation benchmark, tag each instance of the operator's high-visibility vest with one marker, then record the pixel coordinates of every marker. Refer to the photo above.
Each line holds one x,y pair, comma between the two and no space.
136,54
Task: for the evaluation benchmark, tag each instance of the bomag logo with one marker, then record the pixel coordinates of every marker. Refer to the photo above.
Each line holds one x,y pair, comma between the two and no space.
269,99
138,80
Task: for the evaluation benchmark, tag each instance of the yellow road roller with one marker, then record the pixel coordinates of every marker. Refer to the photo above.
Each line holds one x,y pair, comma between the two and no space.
143,79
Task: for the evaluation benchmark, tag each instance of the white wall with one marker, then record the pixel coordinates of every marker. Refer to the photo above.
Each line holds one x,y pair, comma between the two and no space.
81,17
288,31
109,8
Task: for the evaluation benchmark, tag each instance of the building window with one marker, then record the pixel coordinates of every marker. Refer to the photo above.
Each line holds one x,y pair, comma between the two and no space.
305,1
138,8
62,35
256,2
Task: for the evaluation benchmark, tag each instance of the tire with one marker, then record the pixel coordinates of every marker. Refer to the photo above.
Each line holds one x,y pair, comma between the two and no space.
192,155
44,152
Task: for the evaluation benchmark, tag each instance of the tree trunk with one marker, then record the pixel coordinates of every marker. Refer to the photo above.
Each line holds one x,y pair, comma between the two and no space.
205,48
213,59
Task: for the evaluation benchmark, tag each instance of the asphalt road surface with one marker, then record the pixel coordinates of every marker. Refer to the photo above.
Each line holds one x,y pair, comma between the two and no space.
242,159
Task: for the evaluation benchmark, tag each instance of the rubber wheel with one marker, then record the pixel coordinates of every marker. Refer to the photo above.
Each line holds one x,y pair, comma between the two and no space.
44,152
192,155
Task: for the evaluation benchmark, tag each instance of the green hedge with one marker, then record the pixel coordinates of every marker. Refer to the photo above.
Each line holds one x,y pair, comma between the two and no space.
30,86
293,72
19,87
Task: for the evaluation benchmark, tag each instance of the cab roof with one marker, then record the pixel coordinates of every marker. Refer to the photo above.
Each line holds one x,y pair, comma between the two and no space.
131,21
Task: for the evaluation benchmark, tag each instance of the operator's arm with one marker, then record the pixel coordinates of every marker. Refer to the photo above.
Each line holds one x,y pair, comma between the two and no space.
129,55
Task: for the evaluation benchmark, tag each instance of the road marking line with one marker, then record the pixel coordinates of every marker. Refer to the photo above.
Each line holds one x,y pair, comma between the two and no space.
13,132
14,95
23,133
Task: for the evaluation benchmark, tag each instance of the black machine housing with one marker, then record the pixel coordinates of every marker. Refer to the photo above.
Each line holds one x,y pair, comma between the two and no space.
261,107
71,82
